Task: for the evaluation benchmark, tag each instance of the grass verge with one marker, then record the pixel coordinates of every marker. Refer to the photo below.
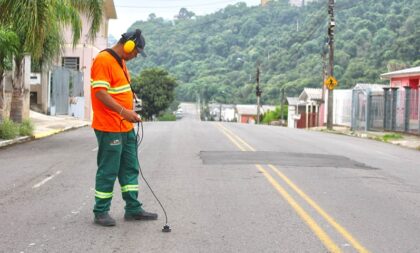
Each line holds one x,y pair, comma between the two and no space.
11,130
390,137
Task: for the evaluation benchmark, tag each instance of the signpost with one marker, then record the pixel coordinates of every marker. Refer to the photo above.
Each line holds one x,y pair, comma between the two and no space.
330,82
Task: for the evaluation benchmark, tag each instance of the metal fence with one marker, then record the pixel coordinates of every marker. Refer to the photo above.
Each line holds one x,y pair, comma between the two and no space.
65,83
393,109
367,109
402,110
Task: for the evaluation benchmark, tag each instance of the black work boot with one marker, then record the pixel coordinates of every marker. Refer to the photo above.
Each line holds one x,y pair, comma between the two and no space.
104,219
142,215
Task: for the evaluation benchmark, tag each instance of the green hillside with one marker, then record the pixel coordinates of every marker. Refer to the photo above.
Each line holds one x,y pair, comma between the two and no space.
215,56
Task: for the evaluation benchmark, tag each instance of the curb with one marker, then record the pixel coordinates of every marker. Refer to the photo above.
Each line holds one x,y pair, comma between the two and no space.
15,141
47,133
44,134
37,136
376,137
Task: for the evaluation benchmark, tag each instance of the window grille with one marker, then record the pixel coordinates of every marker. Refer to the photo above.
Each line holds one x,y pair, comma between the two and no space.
70,63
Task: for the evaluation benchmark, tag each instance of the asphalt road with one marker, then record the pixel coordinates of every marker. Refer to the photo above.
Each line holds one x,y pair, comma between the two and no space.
227,187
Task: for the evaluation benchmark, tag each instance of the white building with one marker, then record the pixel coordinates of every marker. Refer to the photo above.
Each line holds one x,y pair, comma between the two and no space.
79,59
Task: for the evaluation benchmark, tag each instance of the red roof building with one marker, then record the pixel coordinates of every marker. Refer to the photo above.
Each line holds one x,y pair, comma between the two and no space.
405,85
404,78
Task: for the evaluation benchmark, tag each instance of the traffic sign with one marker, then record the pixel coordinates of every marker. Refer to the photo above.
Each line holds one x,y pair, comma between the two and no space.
330,82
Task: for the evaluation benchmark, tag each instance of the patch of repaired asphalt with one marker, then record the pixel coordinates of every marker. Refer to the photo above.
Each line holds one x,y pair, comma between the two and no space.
281,158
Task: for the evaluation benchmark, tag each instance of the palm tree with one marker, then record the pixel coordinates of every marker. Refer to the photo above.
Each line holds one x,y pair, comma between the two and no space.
9,44
38,25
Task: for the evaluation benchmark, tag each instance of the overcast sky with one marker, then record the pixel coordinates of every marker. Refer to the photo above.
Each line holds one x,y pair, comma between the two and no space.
129,11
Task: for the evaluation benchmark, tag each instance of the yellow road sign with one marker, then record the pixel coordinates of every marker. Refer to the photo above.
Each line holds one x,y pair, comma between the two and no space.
330,82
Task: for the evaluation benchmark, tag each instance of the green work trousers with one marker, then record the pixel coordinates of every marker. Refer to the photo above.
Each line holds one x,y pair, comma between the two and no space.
117,157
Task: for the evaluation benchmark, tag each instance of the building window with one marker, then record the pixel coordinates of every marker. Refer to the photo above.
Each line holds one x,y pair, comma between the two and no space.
70,62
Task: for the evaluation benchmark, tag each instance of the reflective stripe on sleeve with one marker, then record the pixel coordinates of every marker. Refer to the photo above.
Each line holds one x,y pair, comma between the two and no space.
100,83
130,188
120,89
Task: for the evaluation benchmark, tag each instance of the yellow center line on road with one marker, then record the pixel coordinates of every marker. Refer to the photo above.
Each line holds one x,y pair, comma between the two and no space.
232,139
237,137
325,239
315,206
318,231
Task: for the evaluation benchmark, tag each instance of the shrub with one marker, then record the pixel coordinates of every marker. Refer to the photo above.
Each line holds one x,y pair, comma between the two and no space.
8,129
388,137
26,128
271,116
167,117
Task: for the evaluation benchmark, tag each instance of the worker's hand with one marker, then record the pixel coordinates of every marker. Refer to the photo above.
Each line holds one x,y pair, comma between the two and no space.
131,116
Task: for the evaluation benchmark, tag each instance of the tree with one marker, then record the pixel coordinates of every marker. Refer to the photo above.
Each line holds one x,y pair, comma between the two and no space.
394,65
38,25
185,14
155,87
220,50
384,38
9,44
151,17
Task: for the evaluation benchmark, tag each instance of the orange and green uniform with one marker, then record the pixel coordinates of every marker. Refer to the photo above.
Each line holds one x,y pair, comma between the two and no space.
117,144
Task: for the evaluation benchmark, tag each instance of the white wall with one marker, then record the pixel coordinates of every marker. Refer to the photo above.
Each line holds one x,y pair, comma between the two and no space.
342,107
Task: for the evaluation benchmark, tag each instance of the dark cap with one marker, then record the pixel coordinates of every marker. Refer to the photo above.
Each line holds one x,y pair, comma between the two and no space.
138,40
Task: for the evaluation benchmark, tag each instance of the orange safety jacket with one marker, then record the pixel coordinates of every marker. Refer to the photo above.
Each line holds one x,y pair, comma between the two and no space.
107,74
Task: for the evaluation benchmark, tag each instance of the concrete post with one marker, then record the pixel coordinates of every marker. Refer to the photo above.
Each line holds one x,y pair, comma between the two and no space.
418,110
368,108
26,86
407,109
44,89
354,105
386,109
393,108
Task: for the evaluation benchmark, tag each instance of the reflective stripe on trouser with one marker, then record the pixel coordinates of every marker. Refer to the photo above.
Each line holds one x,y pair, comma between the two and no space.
117,157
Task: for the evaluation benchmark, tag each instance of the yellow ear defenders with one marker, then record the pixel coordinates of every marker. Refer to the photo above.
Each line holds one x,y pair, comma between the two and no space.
129,46
132,38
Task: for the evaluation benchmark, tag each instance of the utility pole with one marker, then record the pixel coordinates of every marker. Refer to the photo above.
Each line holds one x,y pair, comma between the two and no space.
324,73
282,105
331,27
220,112
258,93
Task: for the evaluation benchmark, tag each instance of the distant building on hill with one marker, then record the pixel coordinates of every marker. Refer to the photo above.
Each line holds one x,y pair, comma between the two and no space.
297,2
291,2
264,2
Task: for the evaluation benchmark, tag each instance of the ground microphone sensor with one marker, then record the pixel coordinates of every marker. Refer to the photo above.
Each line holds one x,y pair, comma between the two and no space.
166,228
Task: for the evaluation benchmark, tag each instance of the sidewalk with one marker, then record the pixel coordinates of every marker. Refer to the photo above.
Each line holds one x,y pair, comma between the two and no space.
401,139
46,125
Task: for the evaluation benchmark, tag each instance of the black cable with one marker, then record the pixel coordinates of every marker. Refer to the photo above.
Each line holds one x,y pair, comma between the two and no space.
137,134
139,141
166,227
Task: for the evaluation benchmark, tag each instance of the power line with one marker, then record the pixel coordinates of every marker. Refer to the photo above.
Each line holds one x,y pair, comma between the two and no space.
321,17
314,28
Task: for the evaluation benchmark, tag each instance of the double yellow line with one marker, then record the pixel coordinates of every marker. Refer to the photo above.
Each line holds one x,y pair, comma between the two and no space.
312,224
